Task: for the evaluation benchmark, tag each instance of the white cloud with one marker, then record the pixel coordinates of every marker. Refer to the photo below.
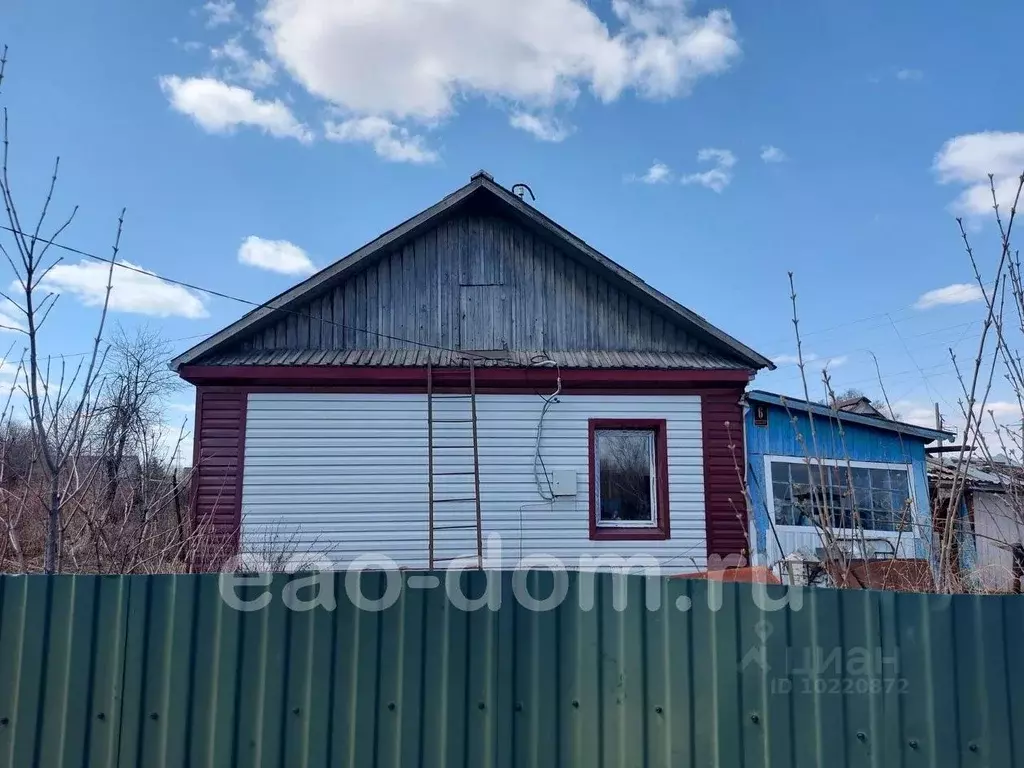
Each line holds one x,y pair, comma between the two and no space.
658,173
242,65
970,158
220,12
909,74
719,177
810,357
413,59
1003,408
957,293
11,317
275,256
389,141
143,294
12,379
723,157
220,108
10,369
541,127
391,66
189,46
772,154
913,412
834,362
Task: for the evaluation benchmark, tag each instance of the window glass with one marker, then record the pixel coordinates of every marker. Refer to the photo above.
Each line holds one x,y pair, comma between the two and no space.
799,473
847,497
783,492
625,467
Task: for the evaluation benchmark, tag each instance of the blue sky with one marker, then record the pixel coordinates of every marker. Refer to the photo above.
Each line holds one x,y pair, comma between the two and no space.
707,147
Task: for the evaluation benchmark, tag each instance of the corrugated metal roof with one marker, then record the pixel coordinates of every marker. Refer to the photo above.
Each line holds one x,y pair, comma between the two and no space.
416,357
948,469
147,671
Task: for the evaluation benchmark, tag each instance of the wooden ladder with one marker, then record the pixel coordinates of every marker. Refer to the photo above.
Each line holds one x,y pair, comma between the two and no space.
432,475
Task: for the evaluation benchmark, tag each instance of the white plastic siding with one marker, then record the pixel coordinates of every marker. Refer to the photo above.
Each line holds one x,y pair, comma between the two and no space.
346,474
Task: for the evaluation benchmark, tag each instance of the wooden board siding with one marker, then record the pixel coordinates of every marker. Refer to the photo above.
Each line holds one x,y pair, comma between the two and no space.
348,472
725,502
788,434
218,459
432,290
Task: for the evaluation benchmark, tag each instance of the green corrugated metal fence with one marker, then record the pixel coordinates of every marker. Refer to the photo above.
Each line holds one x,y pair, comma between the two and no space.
159,671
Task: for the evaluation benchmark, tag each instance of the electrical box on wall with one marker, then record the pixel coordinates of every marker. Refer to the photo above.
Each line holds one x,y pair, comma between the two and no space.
563,482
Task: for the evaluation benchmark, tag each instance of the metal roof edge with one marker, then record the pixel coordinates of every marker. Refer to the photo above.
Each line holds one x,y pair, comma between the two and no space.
877,422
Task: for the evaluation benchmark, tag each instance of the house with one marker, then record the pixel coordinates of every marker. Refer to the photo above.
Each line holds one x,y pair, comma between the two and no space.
866,474
859,404
478,370
990,545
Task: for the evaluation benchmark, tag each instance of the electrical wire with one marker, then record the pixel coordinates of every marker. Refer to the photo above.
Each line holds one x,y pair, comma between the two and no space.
943,343
945,366
910,357
549,400
538,362
67,355
249,302
859,320
266,304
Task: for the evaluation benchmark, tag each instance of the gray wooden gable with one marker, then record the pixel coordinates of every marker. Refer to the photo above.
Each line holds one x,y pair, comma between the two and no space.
475,283
480,271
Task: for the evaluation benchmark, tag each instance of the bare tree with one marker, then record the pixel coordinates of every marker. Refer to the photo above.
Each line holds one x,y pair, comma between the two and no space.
17,460
998,348
135,387
90,480
61,401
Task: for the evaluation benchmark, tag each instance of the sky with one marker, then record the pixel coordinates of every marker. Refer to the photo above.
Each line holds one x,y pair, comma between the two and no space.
711,148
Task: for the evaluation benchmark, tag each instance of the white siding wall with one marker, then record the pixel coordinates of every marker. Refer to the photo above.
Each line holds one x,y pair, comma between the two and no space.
349,471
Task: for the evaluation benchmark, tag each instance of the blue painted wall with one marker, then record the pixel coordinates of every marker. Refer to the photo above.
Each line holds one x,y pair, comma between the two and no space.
789,434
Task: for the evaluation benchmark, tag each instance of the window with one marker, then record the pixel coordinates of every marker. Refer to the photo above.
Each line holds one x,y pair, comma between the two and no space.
628,479
872,497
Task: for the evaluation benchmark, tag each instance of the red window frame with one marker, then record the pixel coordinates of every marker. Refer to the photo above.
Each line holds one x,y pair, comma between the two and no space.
660,530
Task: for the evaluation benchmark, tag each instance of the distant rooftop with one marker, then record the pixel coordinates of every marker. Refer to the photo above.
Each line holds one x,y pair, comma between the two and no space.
859,404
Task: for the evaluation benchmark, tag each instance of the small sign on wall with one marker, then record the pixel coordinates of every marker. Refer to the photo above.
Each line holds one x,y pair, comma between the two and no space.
760,415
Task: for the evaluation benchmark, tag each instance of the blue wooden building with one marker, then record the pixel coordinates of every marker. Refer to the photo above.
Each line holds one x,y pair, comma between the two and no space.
865,472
